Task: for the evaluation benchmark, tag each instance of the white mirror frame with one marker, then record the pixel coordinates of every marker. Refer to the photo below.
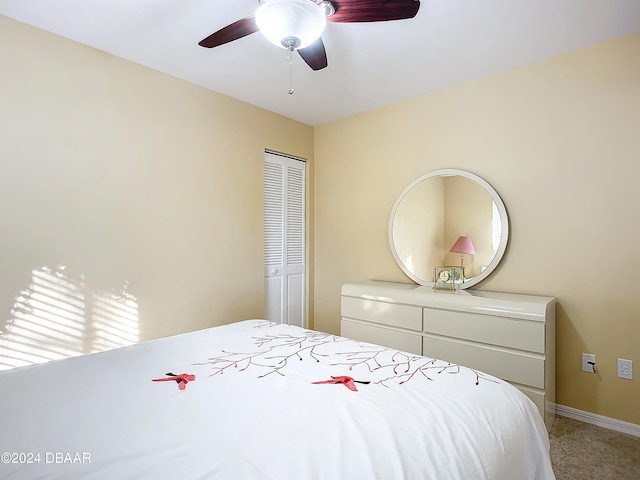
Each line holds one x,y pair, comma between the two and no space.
504,219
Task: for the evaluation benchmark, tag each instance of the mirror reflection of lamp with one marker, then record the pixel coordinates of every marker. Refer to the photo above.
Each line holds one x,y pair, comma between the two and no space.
463,245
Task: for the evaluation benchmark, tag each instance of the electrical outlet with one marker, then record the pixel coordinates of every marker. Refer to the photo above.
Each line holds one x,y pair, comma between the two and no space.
625,368
589,362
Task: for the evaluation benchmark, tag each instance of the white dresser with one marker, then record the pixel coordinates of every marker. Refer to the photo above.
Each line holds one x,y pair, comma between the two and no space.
507,335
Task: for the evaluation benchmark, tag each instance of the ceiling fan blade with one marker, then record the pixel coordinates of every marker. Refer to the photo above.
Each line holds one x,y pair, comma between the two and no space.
373,10
236,30
315,55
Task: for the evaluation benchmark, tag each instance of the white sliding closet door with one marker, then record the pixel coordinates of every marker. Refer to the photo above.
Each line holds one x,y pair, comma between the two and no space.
284,239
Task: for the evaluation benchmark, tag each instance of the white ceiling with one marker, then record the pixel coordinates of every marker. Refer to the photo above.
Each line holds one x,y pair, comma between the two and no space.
370,64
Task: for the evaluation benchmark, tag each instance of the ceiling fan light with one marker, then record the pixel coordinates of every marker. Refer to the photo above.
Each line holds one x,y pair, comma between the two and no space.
291,23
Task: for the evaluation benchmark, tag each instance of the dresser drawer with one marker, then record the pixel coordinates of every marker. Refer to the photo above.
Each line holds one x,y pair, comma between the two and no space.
401,316
519,367
380,335
501,331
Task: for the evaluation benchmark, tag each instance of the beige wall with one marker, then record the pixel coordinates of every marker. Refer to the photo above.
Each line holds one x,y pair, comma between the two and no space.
559,140
126,174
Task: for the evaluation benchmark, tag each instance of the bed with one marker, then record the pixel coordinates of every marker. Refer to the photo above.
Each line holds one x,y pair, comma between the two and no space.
259,400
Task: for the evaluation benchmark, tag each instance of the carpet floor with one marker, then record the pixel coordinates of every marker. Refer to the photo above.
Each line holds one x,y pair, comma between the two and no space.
581,451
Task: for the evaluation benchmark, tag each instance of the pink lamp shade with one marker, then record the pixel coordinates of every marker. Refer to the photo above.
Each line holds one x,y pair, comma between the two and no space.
463,245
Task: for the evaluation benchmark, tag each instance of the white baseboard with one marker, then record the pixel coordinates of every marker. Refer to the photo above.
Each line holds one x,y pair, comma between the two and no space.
599,420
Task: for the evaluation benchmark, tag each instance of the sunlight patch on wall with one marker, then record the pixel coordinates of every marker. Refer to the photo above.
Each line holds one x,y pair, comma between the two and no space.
59,316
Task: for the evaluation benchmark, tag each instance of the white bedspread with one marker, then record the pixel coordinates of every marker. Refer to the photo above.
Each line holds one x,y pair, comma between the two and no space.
254,413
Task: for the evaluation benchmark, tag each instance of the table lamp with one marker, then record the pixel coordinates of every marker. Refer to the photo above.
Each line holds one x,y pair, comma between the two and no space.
463,245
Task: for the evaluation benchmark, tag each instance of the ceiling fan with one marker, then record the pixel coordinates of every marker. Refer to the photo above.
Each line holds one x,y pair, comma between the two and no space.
298,24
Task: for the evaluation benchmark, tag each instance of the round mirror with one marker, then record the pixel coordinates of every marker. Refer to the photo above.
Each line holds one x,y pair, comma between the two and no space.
448,218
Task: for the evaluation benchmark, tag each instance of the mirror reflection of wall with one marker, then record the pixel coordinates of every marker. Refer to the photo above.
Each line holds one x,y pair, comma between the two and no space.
417,230
468,211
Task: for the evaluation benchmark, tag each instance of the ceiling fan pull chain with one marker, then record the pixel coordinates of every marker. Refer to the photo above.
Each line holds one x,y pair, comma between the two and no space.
290,60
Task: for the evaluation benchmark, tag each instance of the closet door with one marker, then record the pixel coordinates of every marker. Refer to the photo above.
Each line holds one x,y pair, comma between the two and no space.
284,239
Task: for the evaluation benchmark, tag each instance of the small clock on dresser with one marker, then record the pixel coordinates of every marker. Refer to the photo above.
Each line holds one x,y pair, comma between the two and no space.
447,277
